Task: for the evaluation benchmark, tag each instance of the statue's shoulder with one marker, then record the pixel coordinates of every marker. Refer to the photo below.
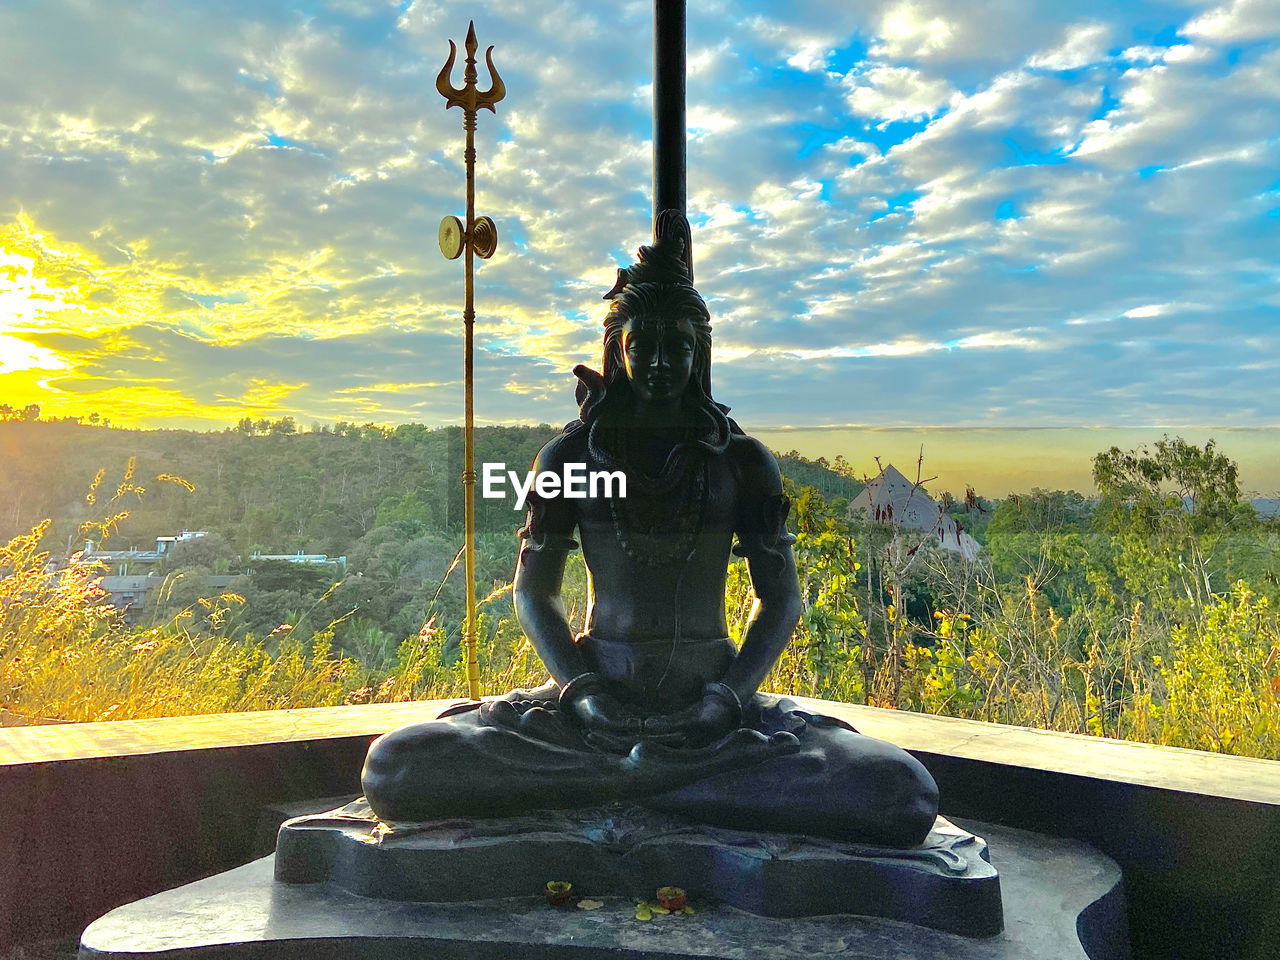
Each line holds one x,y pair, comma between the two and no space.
569,446
754,465
762,513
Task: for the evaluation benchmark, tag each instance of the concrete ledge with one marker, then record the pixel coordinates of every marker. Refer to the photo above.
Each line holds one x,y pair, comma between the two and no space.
1134,764
131,738
99,814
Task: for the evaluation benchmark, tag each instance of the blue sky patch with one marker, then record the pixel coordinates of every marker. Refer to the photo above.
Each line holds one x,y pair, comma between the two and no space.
1166,36
845,58
1025,156
815,137
1108,103
211,300
278,141
890,134
896,204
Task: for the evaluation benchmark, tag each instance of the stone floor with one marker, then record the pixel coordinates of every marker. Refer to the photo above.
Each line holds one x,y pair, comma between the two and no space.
1063,901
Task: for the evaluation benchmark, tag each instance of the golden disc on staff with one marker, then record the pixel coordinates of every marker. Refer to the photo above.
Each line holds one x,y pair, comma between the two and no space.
474,236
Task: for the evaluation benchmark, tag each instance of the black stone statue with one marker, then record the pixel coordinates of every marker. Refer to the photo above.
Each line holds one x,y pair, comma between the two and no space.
654,703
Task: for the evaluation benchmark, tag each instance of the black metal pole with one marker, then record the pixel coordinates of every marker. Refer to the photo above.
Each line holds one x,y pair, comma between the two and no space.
668,106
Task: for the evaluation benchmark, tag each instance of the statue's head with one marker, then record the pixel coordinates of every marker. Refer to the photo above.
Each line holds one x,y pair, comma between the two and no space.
657,345
657,333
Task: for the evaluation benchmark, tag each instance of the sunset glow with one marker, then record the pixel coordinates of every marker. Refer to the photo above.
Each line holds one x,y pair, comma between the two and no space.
904,215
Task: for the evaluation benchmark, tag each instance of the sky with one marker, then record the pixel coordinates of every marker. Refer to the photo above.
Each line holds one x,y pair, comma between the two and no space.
1020,219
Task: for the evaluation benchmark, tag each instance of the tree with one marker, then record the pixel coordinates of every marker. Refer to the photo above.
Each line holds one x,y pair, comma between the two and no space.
1038,511
407,511
1166,511
212,551
1178,478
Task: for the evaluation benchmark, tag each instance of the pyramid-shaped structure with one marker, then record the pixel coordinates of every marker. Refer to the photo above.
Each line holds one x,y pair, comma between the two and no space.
892,498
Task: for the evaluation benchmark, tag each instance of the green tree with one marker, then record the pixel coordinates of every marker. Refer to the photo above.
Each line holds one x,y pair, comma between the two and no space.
1167,509
1177,480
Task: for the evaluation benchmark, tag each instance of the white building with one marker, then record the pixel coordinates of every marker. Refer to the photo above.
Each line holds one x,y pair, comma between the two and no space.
123,558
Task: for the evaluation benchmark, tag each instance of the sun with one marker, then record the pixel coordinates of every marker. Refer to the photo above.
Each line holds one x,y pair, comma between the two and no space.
23,301
17,354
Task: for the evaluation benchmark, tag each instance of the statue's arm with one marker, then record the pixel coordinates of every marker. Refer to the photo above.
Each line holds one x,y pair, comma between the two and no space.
547,541
764,541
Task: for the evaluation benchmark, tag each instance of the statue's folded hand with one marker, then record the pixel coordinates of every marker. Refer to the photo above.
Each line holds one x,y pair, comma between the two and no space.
713,717
604,720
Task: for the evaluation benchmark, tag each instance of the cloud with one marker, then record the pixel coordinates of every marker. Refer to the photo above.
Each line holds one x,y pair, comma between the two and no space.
1240,20
896,93
908,31
17,354
1014,213
803,48
1084,43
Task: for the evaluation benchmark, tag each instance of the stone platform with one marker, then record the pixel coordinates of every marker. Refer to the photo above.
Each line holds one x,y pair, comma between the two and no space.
1062,901
624,850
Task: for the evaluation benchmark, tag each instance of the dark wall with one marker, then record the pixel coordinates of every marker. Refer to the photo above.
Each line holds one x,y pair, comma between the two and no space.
134,816
80,837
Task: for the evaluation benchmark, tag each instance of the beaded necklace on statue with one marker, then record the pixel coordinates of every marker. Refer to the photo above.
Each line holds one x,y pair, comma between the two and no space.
657,523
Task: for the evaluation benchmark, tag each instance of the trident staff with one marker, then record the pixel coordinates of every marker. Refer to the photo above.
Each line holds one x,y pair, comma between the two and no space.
476,236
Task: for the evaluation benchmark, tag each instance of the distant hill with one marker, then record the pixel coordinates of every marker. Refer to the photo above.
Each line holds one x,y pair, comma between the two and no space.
275,491
831,483
264,486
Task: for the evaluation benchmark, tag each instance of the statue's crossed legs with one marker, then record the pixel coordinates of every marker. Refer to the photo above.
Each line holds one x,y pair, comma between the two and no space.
785,771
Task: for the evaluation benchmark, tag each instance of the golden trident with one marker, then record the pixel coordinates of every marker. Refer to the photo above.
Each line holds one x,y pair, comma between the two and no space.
477,236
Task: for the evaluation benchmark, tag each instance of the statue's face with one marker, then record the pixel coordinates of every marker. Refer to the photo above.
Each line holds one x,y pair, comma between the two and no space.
658,357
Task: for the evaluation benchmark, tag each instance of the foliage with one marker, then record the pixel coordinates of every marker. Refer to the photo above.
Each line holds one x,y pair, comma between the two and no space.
833,480
824,657
1149,614
1178,478
67,654
262,485
1167,511
1086,617
1221,679
28,414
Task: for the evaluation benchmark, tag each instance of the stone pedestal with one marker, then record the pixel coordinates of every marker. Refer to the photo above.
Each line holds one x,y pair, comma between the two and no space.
620,850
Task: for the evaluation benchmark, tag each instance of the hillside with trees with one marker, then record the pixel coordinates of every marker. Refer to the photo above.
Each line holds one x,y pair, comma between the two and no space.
388,502
1144,610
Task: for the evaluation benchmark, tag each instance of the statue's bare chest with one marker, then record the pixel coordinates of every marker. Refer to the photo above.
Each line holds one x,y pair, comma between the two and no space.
664,522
